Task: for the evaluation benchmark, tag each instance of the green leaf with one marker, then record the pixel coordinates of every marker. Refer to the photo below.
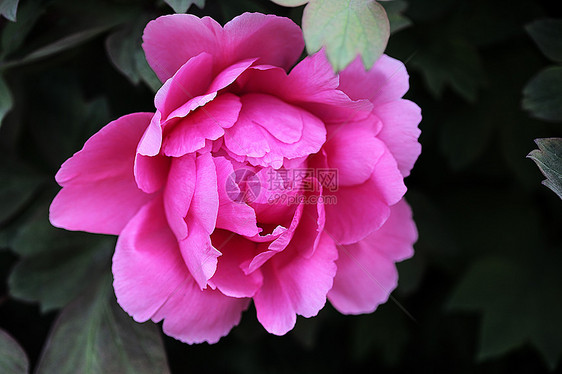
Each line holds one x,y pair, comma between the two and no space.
8,8
14,34
17,188
181,6
346,28
125,52
394,11
451,62
13,359
549,159
93,335
542,96
56,265
547,33
6,99
520,303
290,3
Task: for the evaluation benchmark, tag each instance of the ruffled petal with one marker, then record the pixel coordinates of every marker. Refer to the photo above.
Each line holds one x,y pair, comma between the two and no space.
352,150
235,216
293,284
386,81
195,316
170,41
400,132
197,250
366,270
207,122
274,40
99,191
229,277
266,130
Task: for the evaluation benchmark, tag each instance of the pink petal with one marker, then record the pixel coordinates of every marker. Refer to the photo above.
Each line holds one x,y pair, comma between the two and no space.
293,284
151,172
229,277
151,140
195,316
366,271
400,132
275,40
170,41
362,209
147,265
178,193
196,248
207,122
190,81
352,149
258,132
386,81
235,216
99,191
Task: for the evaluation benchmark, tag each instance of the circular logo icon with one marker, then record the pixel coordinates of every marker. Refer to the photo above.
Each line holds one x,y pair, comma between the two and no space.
242,186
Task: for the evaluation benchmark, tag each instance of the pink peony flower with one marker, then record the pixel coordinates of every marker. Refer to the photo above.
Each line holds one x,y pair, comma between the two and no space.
249,182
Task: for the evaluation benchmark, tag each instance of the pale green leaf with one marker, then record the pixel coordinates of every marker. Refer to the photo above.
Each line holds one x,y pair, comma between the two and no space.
542,96
347,28
13,359
6,99
94,335
290,3
547,33
8,8
56,265
181,6
549,159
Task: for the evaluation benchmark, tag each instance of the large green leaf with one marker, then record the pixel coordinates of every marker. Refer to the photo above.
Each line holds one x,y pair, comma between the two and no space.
549,159
543,94
56,265
347,28
181,6
9,8
520,302
13,359
394,11
547,33
94,335
16,189
6,99
125,51
14,34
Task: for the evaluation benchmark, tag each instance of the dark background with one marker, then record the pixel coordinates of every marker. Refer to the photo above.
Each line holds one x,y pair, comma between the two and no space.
483,294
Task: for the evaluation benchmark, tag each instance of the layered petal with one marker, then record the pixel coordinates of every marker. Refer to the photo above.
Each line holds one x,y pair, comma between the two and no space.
196,248
269,130
229,278
99,191
294,284
205,123
274,40
233,215
353,150
362,209
386,81
366,270
170,41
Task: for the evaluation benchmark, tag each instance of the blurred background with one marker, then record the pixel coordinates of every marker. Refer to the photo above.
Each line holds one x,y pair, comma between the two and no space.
483,293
